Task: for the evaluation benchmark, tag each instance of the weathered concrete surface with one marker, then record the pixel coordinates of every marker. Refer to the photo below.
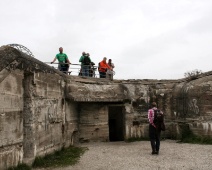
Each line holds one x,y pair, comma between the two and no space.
93,122
95,92
43,109
11,118
193,104
33,115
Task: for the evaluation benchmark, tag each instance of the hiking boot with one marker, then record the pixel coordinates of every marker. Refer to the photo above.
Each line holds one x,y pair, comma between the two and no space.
157,152
154,152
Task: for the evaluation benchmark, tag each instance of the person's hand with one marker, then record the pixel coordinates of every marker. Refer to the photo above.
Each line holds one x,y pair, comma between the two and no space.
51,62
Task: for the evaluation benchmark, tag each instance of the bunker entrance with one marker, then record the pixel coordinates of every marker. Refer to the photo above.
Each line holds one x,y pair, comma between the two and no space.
116,123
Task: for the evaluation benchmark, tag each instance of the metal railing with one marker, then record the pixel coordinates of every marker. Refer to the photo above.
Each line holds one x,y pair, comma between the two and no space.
76,69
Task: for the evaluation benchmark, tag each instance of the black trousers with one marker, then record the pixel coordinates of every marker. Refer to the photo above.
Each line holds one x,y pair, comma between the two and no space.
102,74
64,69
154,136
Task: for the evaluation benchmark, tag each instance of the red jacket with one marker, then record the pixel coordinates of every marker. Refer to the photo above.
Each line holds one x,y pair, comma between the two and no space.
103,66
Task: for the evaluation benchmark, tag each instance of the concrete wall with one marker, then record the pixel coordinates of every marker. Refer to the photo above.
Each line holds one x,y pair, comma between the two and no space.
193,104
44,114
11,118
35,117
93,122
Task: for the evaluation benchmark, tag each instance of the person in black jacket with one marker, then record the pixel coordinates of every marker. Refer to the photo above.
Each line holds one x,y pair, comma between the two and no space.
85,63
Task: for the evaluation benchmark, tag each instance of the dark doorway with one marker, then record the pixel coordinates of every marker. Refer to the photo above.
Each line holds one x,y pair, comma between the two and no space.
116,123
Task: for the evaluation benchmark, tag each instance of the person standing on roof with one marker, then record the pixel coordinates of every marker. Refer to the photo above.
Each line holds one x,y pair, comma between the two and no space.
110,72
85,63
63,61
103,67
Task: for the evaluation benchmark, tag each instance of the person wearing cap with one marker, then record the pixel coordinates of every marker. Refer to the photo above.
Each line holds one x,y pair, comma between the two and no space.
63,61
103,67
154,131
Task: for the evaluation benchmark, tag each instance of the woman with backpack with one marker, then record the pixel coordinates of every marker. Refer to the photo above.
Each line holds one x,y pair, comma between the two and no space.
156,124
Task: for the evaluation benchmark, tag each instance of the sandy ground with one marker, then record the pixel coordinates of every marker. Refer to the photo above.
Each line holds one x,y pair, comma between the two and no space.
137,156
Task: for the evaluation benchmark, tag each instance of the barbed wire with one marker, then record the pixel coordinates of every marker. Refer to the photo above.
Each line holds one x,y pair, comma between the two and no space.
22,49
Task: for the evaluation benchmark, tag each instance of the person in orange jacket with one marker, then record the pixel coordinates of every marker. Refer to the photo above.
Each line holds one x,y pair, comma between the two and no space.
103,67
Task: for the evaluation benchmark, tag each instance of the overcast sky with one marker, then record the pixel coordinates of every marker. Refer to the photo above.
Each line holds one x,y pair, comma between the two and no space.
146,39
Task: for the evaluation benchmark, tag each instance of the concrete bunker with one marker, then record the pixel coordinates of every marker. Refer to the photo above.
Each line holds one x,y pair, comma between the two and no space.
43,110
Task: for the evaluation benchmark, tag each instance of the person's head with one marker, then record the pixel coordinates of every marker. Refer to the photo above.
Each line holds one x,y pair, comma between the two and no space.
61,49
83,53
105,59
154,104
88,54
109,61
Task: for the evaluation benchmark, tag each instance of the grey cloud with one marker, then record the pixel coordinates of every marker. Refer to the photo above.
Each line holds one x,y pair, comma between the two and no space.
133,33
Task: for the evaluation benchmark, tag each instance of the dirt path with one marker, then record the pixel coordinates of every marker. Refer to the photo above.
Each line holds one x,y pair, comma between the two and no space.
136,156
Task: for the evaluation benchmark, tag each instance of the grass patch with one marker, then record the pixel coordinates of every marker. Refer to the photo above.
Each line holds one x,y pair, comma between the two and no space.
20,167
189,137
64,157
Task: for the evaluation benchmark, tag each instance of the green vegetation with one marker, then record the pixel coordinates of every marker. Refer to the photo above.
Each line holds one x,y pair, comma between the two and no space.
189,137
193,74
63,157
20,167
